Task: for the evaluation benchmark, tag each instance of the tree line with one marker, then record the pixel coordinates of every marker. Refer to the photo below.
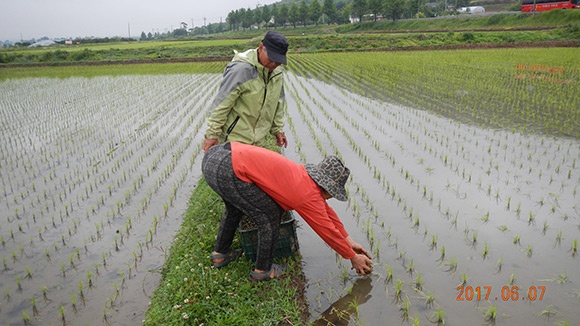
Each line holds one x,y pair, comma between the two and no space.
294,13
315,12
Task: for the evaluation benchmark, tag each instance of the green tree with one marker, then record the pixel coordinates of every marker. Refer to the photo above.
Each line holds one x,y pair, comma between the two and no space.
315,11
460,3
344,14
303,12
293,16
234,19
143,36
359,8
266,15
394,9
257,14
274,14
247,18
179,32
329,9
375,7
283,15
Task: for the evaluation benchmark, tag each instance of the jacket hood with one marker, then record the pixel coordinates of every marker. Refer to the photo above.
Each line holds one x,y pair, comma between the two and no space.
251,56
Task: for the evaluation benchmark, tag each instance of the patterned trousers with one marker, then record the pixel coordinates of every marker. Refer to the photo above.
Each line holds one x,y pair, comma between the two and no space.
241,198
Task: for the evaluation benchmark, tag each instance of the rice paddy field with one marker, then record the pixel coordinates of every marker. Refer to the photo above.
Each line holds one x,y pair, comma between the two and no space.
464,180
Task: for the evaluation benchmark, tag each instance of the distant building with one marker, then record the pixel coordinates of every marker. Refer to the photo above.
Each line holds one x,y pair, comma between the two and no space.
471,10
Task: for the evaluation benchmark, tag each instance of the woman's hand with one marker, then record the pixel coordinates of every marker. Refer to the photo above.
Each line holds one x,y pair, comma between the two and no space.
362,261
357,247
362,264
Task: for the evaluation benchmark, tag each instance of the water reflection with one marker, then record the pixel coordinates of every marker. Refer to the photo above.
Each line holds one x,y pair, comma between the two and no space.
340,312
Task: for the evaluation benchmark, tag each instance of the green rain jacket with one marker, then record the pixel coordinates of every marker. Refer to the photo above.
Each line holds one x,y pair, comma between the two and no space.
248,91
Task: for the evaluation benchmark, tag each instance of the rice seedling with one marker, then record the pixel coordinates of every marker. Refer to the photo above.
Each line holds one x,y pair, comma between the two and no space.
442,256
562,278
529,251
451,265
574,248
89,279
485,218
429,299
73,303
26,318
548,312
471,240
433,243
44,293
438,317
389,275
512,279
498,265
18,284
418,282
35,311
532,219
490,315
485,251
404,309
62,314
463,280
559,238
410,268
398,295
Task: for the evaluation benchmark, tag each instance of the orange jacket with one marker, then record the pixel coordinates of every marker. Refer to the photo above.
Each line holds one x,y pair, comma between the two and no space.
288,183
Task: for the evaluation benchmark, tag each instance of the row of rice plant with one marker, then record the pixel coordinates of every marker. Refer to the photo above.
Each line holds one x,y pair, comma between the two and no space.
463,84
95,179
454,187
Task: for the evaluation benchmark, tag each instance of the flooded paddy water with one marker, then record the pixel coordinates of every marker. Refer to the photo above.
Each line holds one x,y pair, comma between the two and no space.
461,221
96,175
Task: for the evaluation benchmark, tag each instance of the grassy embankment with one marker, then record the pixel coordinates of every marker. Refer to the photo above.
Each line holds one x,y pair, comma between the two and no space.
193,292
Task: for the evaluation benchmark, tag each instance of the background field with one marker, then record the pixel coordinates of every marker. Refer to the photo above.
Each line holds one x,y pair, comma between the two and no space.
556,28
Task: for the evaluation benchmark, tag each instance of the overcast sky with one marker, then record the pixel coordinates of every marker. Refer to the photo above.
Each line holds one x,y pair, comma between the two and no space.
28,19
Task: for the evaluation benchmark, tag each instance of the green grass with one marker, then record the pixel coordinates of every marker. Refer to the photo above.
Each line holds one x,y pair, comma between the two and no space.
462,22
192,292
113,70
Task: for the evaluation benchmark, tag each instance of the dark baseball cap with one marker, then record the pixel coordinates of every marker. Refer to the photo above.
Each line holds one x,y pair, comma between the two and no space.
276,45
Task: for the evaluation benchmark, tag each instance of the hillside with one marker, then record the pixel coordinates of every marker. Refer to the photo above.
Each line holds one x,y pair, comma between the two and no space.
555,28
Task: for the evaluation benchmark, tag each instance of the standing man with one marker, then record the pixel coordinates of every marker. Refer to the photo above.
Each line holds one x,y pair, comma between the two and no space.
250,103
262,184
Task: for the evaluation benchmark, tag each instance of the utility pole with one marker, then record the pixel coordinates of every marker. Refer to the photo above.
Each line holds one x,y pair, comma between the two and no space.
129,29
